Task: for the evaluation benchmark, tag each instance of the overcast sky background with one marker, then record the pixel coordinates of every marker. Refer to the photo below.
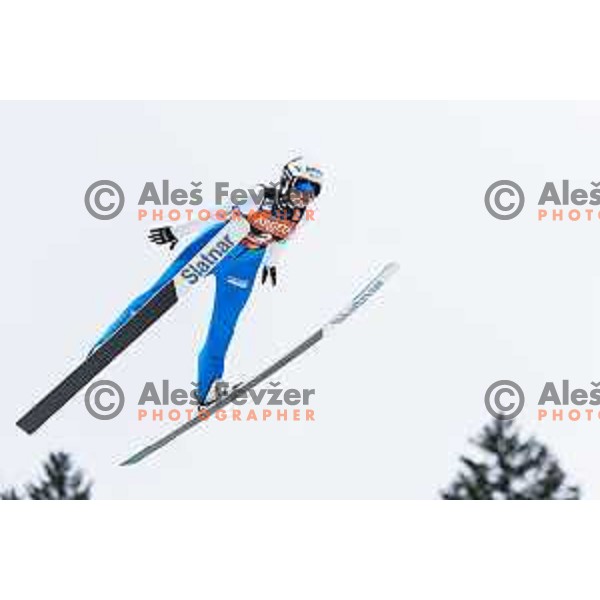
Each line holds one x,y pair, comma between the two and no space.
400,387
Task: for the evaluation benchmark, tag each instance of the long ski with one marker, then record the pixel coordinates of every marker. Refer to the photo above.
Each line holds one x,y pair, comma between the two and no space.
359,299
193,272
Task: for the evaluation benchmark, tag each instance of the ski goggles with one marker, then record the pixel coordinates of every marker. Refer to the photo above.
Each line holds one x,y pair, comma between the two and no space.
304,186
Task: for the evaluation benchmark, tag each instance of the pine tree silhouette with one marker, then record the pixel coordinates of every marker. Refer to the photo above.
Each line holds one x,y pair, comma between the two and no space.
11,494
510,469
60,482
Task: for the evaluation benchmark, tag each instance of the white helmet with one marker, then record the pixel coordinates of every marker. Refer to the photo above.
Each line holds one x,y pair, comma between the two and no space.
298,171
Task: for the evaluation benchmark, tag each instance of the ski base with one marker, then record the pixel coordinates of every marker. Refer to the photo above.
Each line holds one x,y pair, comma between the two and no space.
359,299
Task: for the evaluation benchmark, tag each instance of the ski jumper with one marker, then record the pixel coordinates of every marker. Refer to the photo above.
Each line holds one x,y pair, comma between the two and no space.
235,275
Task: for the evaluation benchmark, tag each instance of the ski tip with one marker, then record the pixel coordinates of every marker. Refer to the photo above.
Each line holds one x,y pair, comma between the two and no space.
132,460
139,456
389,269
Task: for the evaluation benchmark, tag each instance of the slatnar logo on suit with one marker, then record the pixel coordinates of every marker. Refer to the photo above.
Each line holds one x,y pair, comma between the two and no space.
206,260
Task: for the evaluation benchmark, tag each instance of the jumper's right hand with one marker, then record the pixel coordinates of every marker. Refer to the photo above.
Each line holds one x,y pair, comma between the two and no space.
163,235
269,273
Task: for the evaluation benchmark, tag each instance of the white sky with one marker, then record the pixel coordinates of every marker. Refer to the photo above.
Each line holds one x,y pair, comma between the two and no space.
400,389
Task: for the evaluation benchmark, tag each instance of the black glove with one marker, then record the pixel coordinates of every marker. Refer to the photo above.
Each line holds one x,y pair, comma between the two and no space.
269,272
163,235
